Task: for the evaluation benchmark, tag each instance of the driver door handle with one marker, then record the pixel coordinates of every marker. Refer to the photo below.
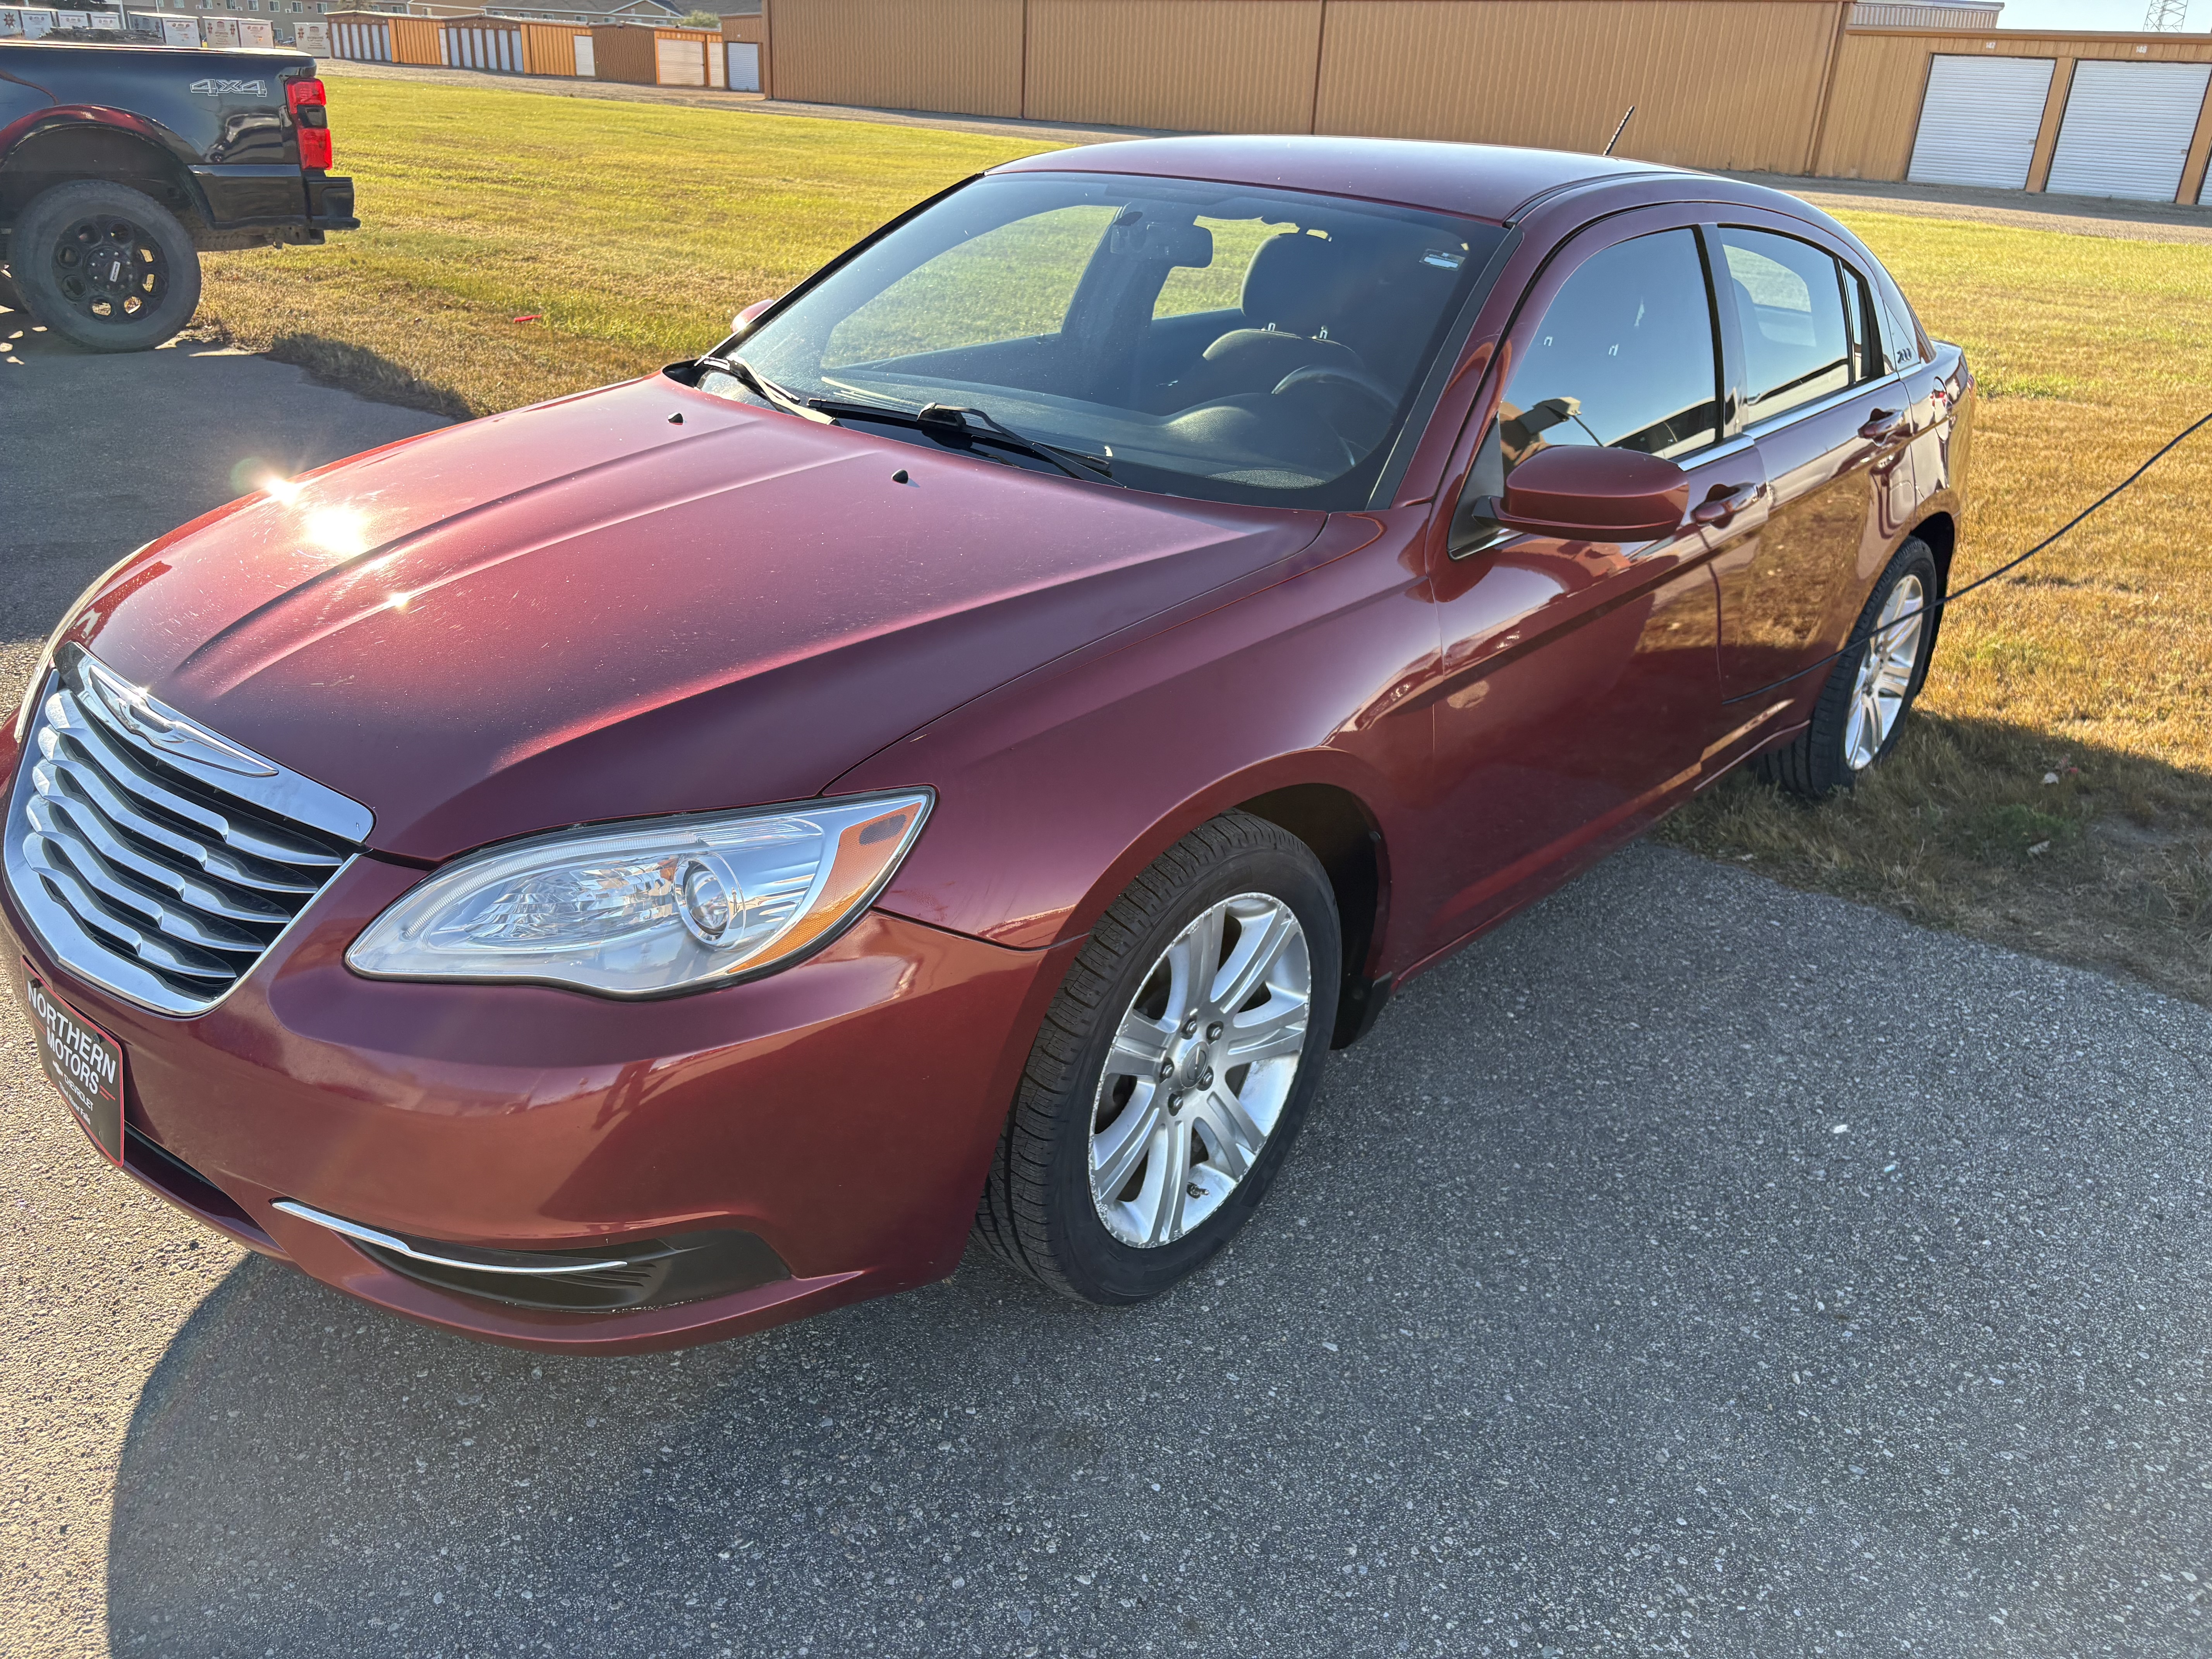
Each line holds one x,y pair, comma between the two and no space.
1725,502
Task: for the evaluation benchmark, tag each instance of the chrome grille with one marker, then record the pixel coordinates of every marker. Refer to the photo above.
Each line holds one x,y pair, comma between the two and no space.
154,857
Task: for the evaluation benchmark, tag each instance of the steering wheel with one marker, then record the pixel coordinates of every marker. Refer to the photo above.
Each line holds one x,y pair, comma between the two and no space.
1357,379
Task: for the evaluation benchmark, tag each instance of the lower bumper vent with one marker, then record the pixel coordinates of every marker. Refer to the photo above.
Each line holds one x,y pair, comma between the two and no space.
652,1272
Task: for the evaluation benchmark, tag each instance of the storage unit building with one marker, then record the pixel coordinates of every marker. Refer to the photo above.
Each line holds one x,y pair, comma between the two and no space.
556,49
364,37
645,56
2127,129
378,37
743,40
481,43
1952,106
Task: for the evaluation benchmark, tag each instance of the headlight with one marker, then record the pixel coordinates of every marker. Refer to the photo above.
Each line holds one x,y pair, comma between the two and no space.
642,910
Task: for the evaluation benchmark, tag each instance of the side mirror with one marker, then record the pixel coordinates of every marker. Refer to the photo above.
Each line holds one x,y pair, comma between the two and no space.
744,320
1589,495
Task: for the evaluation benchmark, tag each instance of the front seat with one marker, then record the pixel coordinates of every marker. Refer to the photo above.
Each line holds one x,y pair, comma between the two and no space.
1297,288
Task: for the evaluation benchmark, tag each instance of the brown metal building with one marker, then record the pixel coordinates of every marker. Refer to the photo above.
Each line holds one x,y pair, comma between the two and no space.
644,54
1785,86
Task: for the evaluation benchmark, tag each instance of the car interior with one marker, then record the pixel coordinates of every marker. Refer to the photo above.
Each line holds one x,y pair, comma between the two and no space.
1302,379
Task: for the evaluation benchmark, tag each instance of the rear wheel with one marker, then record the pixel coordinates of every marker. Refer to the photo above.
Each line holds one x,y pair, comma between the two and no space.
106,266
1173,1069
1872,686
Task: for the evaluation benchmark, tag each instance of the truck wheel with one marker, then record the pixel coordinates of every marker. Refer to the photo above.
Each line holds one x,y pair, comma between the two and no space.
106,266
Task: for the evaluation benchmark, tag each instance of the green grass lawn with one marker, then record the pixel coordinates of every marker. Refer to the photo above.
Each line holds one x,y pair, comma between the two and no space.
634,231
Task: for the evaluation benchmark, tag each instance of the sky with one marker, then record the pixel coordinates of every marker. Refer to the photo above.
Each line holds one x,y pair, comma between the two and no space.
2093,15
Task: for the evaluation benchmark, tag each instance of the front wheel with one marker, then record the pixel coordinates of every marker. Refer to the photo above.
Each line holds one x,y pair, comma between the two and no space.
106,266
1871,688
1172,1069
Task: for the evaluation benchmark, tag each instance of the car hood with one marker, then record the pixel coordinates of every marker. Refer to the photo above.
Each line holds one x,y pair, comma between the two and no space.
590,610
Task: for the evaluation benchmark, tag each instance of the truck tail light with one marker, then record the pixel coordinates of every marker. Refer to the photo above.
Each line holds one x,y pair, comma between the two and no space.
312,116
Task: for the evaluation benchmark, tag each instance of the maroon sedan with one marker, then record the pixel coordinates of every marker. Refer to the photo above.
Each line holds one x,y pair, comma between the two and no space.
637,869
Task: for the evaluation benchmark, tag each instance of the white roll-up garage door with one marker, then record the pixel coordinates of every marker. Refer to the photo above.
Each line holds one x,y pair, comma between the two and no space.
368,43
680,62
473,47
2127,129
745,65
1978,123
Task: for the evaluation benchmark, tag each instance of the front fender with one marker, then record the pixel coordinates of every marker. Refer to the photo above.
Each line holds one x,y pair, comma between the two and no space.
1057,789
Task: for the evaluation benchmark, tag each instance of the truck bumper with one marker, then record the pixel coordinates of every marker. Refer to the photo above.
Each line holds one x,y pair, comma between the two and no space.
288,204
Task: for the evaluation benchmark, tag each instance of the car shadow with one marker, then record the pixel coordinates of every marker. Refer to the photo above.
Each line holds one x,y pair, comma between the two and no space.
1670,1272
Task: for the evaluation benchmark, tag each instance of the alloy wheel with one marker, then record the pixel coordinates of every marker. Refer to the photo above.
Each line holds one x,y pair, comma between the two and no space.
1201,1064
1885,677
110,270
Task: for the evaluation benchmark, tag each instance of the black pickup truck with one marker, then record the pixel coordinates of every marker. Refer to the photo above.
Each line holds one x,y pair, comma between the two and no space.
120,163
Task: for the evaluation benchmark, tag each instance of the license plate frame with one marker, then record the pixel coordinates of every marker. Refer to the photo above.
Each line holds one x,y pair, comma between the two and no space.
83,1061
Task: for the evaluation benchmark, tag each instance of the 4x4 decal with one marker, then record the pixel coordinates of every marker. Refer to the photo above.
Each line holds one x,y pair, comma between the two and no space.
215,88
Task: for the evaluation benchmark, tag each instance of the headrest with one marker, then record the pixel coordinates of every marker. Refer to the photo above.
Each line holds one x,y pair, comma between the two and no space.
1298,284
1178,245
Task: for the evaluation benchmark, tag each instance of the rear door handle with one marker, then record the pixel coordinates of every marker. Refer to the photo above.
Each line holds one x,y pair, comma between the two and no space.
1725,502
1882,426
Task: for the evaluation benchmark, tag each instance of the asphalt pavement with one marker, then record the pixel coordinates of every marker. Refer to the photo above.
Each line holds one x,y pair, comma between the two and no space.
1693,1266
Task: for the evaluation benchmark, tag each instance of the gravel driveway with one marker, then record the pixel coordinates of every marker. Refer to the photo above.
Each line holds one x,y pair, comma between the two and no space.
1693,1267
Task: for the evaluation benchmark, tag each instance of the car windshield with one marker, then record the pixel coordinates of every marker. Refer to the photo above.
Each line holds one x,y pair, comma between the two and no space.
1257,346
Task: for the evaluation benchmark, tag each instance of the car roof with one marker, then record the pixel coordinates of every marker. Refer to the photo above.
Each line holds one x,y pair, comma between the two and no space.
1481,181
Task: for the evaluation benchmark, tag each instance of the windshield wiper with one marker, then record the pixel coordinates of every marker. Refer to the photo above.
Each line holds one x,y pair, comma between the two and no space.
781,396
954,423
947,422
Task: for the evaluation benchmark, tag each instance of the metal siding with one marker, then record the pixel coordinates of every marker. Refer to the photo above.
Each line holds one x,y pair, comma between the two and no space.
1189,65
415,40
1978,121
1873,108
549,49
2127,129
956,55
1560,75
623,51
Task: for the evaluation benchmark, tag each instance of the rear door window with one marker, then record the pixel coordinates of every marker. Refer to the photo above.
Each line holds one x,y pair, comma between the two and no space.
1793,305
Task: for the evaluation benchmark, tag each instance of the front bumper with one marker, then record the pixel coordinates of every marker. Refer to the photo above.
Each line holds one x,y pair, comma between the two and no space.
842,1111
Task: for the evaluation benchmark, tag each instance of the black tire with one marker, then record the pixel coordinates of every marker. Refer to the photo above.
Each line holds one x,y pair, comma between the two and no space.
1818,762
1037,1211
106,266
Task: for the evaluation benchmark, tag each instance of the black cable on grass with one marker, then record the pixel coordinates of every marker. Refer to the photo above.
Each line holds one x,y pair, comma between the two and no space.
2163,450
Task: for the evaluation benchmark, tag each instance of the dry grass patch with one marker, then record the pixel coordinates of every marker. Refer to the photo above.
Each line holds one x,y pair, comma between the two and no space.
2093,662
